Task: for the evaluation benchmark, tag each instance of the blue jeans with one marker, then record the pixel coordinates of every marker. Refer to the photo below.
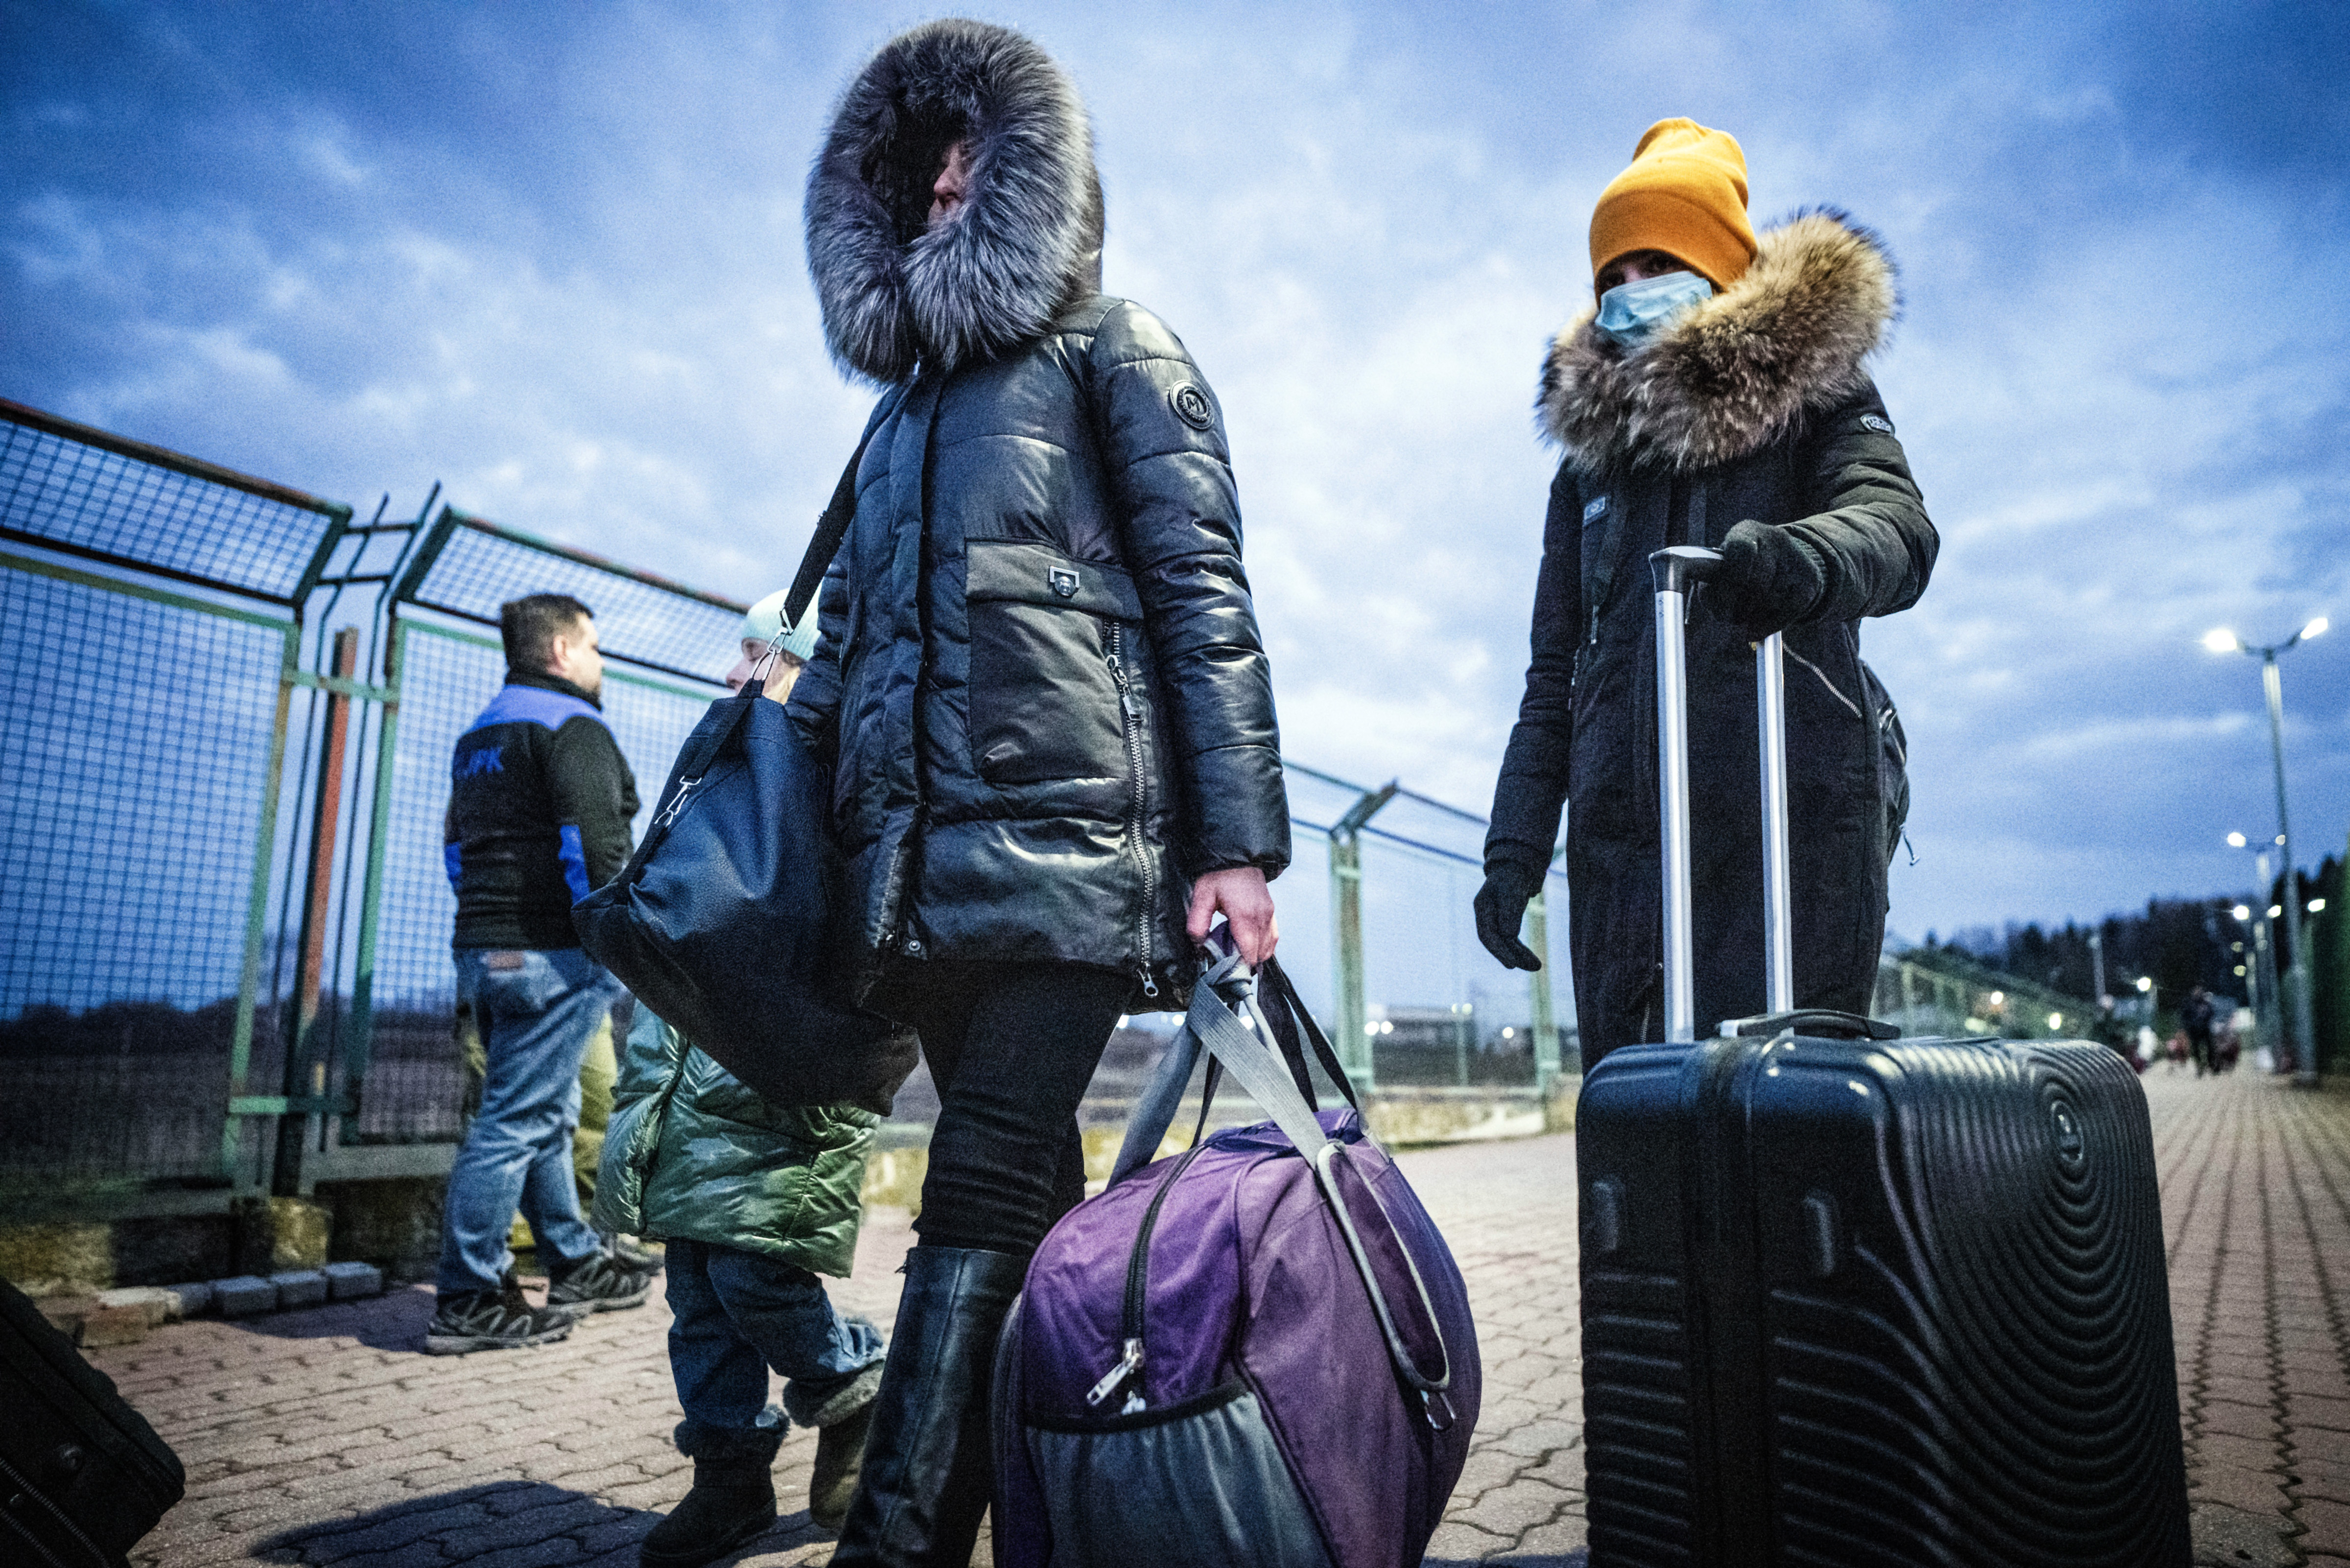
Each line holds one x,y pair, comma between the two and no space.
536,1012
739,1314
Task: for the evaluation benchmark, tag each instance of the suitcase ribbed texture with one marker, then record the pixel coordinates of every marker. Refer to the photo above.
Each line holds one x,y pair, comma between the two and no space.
1929,1324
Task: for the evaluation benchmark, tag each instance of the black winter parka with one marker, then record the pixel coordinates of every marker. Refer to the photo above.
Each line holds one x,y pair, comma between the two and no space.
1040,677
1753,406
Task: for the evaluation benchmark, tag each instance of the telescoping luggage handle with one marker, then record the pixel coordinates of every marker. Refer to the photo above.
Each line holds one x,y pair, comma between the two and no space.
1677,570
1235,1031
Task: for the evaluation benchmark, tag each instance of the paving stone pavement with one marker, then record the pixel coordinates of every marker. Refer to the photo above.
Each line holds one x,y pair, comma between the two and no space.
325,1438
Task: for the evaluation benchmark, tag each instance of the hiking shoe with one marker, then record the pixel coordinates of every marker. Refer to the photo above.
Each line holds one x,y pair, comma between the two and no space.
490,1320
597,1284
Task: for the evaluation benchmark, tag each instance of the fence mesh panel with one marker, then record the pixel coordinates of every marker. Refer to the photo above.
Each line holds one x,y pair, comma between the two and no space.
645,623
64,492
129,814
413,1087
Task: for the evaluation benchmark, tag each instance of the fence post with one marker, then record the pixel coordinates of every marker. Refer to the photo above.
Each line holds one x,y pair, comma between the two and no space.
256,915
304,1068
359,1044
1545,1022
1347,927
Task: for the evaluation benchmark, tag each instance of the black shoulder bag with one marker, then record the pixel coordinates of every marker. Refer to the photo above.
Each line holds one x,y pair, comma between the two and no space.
720,921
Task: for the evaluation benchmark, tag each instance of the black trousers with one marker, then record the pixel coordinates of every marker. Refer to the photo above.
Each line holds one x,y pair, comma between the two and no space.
1012,1048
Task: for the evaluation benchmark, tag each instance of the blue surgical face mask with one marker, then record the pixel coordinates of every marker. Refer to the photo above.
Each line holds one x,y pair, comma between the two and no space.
1634,313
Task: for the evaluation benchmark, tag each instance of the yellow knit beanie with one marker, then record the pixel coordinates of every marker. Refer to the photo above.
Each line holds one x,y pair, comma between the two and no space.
1685,195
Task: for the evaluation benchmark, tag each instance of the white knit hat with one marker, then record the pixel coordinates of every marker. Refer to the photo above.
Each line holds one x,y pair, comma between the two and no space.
767,618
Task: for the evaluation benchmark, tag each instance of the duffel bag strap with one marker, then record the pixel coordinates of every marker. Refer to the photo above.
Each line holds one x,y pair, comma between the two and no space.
1253,1056
1291,1012
1212,1025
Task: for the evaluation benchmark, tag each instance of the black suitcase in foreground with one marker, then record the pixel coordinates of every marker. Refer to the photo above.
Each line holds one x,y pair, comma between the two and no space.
82,1475
1856,1301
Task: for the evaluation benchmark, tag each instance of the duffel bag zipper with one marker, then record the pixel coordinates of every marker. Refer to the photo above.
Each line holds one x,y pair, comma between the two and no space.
1129,1369
1130,724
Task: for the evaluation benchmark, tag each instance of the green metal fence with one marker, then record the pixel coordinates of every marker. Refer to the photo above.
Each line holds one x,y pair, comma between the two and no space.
225,739
142,738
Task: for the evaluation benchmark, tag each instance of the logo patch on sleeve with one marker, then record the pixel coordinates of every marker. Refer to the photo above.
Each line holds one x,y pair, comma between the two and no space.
1596,509
1871,422
1192,406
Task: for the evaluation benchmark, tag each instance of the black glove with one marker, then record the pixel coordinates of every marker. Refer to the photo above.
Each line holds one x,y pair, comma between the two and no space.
1768,580
1501,909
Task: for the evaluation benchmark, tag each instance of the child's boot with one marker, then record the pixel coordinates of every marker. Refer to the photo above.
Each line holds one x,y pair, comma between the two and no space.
733,1501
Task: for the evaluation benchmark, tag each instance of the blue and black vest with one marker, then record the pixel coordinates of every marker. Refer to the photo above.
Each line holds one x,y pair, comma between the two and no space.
540,803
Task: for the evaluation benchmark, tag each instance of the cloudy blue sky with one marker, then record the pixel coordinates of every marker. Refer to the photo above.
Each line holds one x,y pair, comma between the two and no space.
551,256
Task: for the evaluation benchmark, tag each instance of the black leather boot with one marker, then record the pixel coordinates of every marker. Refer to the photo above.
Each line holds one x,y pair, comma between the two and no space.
732,1504
928,1469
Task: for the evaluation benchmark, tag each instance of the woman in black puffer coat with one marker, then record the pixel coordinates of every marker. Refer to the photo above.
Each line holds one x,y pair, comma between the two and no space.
1746,422
1040,682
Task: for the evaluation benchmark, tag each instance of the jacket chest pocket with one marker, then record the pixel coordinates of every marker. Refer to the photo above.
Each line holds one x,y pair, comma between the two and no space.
1044,692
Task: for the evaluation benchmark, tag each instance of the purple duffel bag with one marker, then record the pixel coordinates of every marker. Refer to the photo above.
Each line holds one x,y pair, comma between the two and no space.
1237,1355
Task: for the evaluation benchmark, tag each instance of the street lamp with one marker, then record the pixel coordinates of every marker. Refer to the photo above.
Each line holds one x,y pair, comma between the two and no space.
2296,977
2259,964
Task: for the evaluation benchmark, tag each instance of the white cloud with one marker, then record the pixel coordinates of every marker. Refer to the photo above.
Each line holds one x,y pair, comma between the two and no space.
570,285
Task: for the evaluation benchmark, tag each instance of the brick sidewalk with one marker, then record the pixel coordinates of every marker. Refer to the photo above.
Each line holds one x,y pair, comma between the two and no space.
324,1437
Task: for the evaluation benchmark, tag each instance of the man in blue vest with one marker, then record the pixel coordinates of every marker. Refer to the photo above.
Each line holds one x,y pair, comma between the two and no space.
540,804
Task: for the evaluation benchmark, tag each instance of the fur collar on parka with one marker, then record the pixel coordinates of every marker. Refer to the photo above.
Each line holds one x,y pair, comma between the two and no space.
1028,244
1737,371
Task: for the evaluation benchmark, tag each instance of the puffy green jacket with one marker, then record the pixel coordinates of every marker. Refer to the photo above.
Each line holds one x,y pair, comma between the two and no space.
692,1154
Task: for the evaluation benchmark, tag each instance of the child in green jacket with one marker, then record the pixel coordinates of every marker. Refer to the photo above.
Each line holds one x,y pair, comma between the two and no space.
754,1201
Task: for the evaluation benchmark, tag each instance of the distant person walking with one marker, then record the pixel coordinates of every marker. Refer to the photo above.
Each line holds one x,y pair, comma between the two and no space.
2194,1022
1715,396
755,1201
540,804
1040,687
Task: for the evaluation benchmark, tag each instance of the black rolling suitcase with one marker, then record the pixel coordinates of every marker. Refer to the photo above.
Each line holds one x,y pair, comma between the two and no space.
82,1475
1858,1301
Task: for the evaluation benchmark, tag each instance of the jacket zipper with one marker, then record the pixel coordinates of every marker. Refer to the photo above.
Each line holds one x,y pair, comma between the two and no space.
1130,724
1137,1289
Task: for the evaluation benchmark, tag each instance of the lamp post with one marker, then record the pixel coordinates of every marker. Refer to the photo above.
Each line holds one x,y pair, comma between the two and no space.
2302,1039
2259,964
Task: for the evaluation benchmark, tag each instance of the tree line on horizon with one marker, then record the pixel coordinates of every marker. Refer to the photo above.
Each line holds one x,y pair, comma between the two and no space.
2182,943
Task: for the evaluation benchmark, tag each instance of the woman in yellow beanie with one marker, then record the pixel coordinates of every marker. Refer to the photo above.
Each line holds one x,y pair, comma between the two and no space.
1715,395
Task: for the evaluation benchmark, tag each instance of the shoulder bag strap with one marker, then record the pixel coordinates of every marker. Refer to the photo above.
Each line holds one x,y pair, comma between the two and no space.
709,739
832,528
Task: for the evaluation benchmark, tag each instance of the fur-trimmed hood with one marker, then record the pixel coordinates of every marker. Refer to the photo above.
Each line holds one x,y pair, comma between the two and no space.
1737,371
1028,243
